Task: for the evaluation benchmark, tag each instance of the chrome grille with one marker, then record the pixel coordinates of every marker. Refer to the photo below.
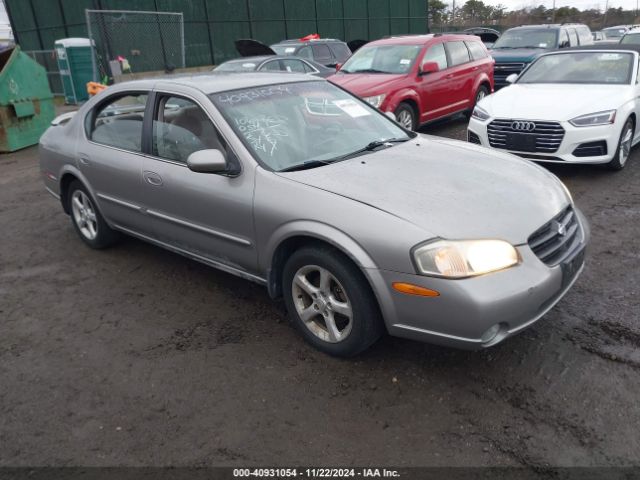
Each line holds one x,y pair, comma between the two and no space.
545,137
558,239
502,70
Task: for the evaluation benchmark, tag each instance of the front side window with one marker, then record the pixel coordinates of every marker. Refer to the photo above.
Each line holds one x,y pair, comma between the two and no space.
395,59
581,68
458,53
118,122
437,54
321,53
631,39
289,125
573,36
527,38
180,128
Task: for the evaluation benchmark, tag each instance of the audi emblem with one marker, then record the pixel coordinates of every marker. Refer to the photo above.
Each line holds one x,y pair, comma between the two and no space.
523,126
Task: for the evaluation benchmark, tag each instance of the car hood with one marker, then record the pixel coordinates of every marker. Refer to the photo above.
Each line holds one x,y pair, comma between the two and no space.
451,189
525,55
553,102
366,84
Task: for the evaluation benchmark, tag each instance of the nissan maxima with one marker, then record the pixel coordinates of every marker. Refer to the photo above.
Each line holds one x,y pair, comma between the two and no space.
572,106
361,226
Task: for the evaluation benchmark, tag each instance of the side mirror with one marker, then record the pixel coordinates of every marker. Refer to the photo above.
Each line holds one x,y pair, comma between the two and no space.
338,66
207,161
429,67
511,78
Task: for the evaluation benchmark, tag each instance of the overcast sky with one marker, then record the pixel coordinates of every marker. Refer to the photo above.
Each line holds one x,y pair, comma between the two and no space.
581,4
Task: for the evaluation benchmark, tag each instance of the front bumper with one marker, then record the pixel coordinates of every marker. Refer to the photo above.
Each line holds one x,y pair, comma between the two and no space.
573,138
467,309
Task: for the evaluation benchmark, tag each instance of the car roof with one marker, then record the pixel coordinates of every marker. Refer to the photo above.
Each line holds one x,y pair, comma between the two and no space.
296,43
608,47
222,82
421,39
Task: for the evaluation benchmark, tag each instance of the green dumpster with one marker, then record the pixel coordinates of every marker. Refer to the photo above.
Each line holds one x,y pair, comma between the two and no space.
76,67
26,101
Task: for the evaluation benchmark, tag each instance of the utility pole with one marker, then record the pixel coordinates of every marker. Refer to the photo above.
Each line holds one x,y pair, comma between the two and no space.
553,17
453,13
606,12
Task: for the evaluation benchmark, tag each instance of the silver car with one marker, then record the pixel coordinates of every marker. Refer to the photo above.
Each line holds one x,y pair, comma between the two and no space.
360,226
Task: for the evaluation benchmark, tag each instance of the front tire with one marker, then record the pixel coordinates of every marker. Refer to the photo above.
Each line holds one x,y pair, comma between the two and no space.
87,219
406,116
482,92
623,152
330,302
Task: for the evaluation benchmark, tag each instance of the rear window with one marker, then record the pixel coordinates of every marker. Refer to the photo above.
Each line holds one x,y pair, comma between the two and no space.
478,52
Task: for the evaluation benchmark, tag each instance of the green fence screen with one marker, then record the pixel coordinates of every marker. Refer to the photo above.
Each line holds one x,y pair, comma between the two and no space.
211,26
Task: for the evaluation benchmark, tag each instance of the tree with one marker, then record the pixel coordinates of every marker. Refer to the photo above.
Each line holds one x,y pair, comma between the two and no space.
437,12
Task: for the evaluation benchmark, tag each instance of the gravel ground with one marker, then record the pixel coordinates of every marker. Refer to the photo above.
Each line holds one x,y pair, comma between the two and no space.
136,356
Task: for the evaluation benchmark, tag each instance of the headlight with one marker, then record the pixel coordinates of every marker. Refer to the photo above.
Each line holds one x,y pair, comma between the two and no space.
460,259
480,114
375,101
593,119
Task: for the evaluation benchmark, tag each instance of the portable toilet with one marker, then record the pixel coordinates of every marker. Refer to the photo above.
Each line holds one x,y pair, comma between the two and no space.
76,67
26,101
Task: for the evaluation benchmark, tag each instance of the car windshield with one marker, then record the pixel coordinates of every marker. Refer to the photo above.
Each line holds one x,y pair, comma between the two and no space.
631,39
527,38
610,68
244,66
614,32
396,59
284,49
307,124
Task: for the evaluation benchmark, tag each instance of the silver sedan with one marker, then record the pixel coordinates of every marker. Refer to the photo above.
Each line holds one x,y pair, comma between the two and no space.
360,226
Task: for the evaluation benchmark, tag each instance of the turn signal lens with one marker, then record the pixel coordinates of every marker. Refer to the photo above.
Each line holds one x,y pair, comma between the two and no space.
411,289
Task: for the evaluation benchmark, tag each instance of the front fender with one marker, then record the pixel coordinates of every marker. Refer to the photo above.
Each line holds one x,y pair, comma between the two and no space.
401,96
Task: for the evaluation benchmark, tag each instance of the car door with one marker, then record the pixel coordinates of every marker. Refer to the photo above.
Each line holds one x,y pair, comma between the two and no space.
433,88
112,159
460,76
207,215
573,37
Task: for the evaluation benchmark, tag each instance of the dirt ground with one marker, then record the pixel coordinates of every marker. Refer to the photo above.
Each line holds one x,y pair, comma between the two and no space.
136,356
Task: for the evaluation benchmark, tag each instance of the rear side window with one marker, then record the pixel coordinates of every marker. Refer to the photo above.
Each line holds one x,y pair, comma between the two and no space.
118,122
272,66
340,51
321,53
458,53
478,52
293,66
585,36
436,54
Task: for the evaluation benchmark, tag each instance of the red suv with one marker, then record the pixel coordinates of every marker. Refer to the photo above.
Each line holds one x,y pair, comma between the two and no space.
420,78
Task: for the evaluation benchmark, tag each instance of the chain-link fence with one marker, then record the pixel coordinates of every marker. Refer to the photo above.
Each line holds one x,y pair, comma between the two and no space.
147,41
47,58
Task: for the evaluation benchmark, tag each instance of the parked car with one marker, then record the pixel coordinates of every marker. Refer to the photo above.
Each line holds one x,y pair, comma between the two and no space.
275,63
614,34
579,105
598,36
285,180
489,36
420,78
325,51
519,46
632,37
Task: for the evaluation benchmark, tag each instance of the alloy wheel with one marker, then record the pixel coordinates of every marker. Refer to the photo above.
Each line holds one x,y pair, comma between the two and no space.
405,119
84,215
322,303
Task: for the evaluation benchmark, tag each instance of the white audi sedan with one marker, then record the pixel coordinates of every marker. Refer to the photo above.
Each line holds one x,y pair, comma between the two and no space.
579,105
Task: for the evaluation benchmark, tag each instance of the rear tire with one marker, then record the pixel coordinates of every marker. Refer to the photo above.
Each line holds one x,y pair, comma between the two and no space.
87,219
330,302
406,116
623,152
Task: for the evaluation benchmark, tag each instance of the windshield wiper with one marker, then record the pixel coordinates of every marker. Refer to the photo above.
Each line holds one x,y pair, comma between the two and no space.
367,70
307,165
371,147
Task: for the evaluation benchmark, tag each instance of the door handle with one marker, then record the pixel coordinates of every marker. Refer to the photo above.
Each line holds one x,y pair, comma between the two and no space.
449,77
152,178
